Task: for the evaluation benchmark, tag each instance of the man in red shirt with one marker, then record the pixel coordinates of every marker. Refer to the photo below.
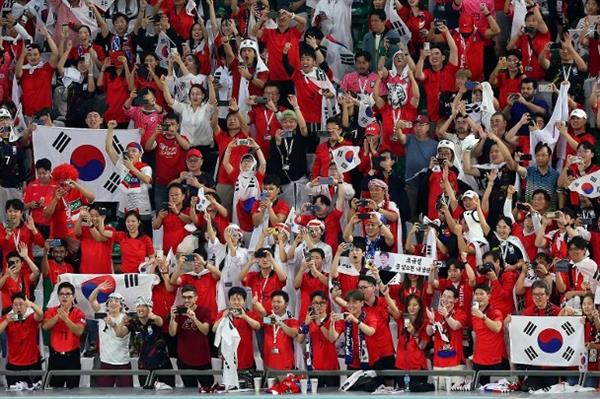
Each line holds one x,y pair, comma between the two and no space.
170,149
35,78
264,117
53,268
310,278
459,275
446,325
271,207
324,151
37,192
173,217
269,279
439,78
577,131
245,322
531,42
22,326
15,280
280,329
66,324
190,323
489,352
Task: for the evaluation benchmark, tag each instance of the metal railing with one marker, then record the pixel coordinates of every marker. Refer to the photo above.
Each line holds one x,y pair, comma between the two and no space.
177,372
93,373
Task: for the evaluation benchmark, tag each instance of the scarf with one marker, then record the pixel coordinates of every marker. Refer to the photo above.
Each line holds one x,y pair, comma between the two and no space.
32,68
515,242
308,355
487,105
228,338
244,90
246,187
430,247
362,344
329,107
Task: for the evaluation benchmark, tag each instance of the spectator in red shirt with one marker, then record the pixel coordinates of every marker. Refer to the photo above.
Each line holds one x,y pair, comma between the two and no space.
310,278
507,75
577,131
37,192
489,352
271,209
264,116
22,327
190,325
35,78
16,232
145,114
269,279
136,246
321,353
53,268
279,333
173,217
96,244
117,83
13,280
66,324
324,151
244,321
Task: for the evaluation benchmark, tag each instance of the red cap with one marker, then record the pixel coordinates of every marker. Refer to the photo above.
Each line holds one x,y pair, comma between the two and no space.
372,129
465,24
422,119
193,153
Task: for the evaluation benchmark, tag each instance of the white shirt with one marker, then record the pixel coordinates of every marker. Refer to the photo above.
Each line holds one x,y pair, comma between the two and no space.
113,350
195,124
135,196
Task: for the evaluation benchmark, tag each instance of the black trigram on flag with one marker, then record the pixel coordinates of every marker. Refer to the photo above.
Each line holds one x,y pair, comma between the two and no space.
597,275
530,328
568,328
347,58
568,354
399,27
112,183
531,353
117,145
131,280
61,142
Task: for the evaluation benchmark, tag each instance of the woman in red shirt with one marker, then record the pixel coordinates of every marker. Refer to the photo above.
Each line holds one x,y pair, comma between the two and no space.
117,85
96,241
148,76
136,247
197,45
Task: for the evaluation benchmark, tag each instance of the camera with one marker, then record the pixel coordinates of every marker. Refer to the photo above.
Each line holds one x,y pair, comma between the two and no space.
485,268
364,216
235,311
363,202
529,29
286,134
132,315
100,315
261,100
189,257
181,310
312,208
164,206
55,242
268,320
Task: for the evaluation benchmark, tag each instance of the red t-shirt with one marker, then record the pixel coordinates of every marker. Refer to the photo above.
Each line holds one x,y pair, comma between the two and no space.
489,346
279,207
206,286
263,288
449,354
507,86
470,53
20,234
133,250
56,269
389,117
371,341
79,51
436,82
531,49
23,341
117,92
61,338
162,300
170,159
266,125
35,191
182,22
309,285
324,353
333,228
36,85
223,139
347,283
11,286
245,351
96,257
384,342
61,224
173,231
237,77
465,293
310,97
324,156
573,195
192,345
550,310
275,40
580,138
278,347
409,356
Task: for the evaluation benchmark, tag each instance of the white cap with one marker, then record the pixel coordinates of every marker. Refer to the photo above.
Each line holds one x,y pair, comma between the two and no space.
470,194
578,113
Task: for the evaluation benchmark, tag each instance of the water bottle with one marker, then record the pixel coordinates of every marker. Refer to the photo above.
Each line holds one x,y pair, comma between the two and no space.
406,382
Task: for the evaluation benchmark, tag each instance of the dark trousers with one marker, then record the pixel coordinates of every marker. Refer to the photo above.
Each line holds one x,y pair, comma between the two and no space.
503,365
167,379
64,361
110,380
385,363
192,381
28,379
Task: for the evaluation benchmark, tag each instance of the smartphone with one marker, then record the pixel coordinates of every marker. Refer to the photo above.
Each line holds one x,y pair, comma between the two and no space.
526,157
376,161
164,206
323,133
243,142
55,242
65,29
262,196
426,46
189,257
328,180
552,215
173,50
562,266
440,22
132,315
470,85
286,134
273,14
181,310
102,211
313,208
268,320
261,100
587,221
223,103
545,88
86,58
406,320
522,207
235,311
100,315
349,246
363,202
364,216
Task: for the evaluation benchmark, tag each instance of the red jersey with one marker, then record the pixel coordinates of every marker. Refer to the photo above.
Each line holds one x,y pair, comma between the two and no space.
193,347
384,343
205,284
278,347
96,256
223,139
449,354
117,92
531,49
36,83
275,40
436,82
79,51
182,22
324,156
56,269
245,352
416,23
65,214
489,346
550,310
23,341
390,117
310,96
61,338
263,287
20,234
470,53
266,125
170,159
309,285
173,231
35,191
279,207
409,356
507,85
370,319
347,283
163,301
23,283
134,251
324,353
465,293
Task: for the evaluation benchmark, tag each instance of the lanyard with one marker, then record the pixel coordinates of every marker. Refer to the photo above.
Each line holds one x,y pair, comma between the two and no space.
363,87
463,55
17,239
396,115
566,73
285,160
268,119
276,329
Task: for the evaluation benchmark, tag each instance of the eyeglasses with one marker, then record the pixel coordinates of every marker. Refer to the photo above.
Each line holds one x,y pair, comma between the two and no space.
364,287
187,296
319,303
538,294
65,294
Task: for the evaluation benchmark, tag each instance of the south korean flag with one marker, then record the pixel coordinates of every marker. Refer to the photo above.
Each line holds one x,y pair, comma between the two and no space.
546,340
588,185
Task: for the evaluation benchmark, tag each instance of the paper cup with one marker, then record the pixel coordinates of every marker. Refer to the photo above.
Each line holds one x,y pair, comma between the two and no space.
270,382
314,385
257,384
304,386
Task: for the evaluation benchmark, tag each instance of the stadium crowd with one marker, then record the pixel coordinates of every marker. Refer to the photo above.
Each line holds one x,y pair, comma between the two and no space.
283,147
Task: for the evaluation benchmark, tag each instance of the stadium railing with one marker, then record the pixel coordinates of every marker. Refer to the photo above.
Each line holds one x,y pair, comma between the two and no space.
93,373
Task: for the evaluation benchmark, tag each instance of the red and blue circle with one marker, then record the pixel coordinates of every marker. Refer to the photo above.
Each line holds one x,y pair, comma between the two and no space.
587,188
349,156
90,285
89,162
550,340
